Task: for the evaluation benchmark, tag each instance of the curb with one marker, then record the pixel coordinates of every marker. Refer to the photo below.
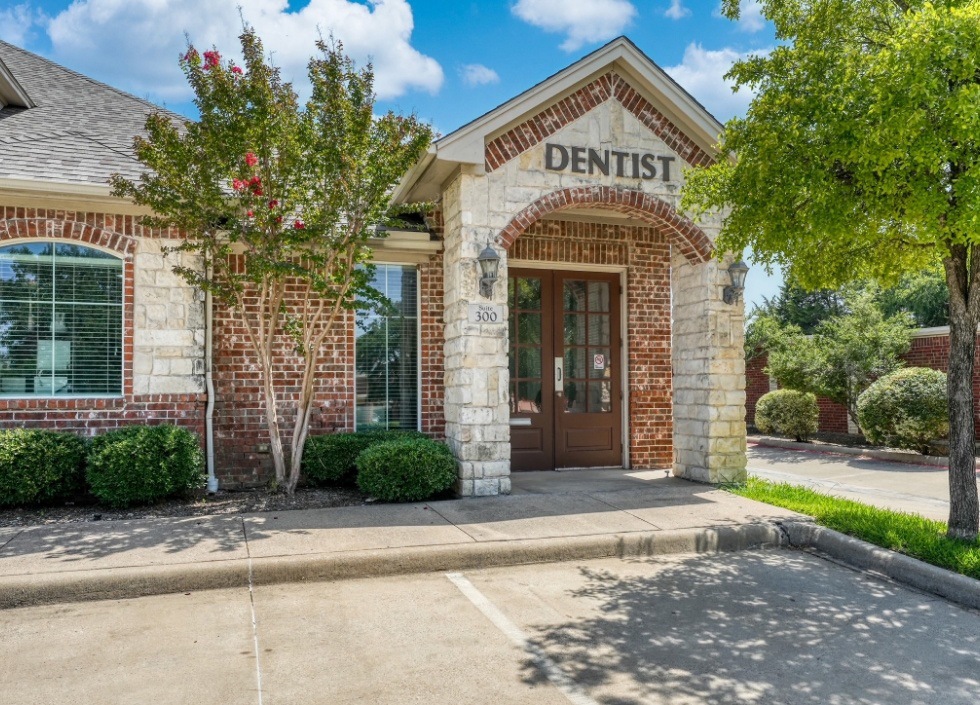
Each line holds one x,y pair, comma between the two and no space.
903,569
889,455
123,583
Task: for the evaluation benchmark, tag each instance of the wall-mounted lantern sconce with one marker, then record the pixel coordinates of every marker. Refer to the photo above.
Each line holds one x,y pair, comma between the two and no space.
489,262
733,294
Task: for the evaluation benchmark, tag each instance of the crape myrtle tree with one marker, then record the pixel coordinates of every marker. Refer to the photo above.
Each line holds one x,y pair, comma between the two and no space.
278,200
859,157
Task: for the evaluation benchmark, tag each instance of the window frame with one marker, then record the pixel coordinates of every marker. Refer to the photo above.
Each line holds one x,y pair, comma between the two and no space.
125,332
418,345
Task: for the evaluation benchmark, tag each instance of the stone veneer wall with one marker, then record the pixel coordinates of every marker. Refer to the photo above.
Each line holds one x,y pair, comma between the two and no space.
646,253
709,374
154,306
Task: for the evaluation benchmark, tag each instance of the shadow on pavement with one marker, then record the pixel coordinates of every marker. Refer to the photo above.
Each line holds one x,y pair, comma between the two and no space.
761,627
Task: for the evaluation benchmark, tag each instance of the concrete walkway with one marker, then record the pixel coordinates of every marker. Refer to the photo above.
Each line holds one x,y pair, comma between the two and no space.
550,516
904,487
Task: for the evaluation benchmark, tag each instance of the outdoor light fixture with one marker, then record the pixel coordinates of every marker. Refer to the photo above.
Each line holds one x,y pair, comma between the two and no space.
732,294
489,262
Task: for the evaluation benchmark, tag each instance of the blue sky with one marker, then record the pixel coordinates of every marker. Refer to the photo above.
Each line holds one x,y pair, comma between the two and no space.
449,62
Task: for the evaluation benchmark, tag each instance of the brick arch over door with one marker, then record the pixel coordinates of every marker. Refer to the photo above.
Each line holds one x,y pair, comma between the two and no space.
688,237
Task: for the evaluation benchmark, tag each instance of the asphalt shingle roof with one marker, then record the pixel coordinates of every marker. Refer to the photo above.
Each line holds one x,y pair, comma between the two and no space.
81,131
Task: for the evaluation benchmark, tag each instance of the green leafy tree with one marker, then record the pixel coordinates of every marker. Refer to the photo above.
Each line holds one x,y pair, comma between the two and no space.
804,309
291,192
922,294
845,353
859,158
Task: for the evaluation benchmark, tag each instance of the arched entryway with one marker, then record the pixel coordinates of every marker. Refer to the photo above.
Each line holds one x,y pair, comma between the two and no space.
589,346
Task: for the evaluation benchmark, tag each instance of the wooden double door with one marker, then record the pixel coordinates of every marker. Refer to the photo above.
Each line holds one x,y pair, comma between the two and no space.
565,377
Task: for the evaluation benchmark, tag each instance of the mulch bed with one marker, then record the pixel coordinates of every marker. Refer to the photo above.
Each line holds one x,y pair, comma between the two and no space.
223,502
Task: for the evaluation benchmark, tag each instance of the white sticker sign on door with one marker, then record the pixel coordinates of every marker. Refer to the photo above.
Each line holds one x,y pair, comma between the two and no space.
598,362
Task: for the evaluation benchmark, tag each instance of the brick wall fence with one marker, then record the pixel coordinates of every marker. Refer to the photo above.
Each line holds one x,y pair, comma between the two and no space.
930,348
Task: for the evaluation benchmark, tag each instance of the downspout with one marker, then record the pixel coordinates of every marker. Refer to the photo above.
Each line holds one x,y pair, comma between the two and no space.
209,383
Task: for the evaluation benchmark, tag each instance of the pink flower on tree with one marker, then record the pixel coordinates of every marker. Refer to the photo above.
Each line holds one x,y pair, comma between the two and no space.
211,59
250,214
251,159
273,203
255,183
236,69
238,184
298,225
192,57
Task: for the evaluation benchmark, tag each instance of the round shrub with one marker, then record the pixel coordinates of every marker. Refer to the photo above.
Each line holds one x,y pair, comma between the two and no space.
788,413
143,464
906,409
332,459
407,470
39,466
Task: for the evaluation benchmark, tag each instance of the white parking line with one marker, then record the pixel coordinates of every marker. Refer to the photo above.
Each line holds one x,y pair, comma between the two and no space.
554,674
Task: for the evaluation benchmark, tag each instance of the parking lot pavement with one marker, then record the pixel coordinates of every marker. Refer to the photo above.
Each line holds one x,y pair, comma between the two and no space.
919,489
763,626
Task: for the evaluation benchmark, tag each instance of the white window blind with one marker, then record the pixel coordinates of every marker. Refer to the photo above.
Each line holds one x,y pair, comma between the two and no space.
60,321
387,354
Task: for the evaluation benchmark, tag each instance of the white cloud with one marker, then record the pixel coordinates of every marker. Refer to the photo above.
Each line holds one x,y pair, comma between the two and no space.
19,24
702,74
750,18
677,11
478,75
581,21
134,44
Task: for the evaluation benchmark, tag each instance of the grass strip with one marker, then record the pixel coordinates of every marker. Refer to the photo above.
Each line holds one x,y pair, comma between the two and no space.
909,534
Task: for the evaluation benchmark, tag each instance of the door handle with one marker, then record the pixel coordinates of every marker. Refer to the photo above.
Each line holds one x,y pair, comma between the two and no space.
559,375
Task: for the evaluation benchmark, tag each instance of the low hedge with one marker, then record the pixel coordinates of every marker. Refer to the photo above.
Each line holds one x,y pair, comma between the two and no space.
788,413
39,466
144,464
406,470
332,459
906,409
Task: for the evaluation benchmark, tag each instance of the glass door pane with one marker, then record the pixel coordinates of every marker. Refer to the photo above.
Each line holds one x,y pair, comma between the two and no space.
587,346
526,349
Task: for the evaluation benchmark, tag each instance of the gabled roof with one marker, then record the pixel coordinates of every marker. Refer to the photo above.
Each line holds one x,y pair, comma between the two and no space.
65,128
11,92
467,145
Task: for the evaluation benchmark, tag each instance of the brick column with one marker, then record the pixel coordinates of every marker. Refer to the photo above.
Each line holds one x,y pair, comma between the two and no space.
477,411
709,375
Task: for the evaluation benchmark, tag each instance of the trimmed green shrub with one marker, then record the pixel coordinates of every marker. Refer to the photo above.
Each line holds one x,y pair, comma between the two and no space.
906,409
39,466
787,413
332,459
144,464
407,470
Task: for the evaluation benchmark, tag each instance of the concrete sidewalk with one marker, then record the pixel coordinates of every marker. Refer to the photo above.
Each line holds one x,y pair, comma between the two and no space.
550,516
903,487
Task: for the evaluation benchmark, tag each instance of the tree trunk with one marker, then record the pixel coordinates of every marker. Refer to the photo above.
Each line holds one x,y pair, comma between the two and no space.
272,422
963,279
964,514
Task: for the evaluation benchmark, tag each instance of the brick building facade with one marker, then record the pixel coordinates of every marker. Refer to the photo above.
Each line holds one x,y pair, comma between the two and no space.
604,341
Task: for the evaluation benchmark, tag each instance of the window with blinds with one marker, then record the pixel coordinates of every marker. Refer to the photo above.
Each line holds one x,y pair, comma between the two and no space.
387,389
60,321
